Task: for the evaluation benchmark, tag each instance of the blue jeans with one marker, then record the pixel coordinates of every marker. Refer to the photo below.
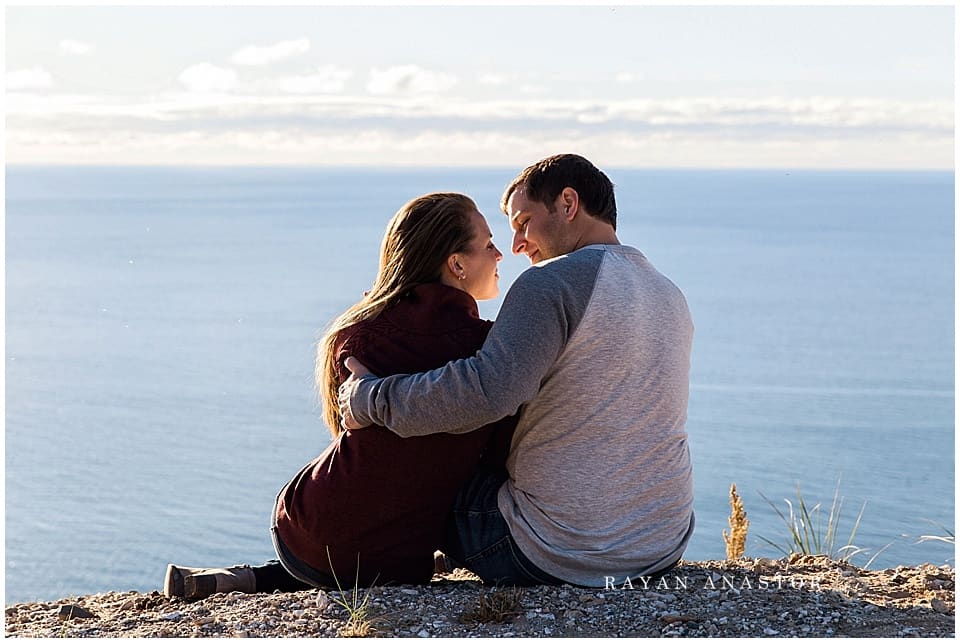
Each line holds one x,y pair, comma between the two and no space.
479,539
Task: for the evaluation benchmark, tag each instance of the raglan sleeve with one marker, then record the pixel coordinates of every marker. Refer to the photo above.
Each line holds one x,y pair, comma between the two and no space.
525,341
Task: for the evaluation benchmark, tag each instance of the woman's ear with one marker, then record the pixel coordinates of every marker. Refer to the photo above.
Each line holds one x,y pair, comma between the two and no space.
453,265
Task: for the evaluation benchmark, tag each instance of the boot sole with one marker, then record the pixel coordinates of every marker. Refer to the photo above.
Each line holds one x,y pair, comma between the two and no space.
173,582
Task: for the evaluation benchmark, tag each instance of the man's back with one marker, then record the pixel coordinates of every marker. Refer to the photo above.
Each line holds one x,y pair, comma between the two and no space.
601,481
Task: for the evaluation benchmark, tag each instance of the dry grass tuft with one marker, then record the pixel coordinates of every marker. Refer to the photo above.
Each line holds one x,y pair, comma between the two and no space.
497,606
358,626
359,622
737,539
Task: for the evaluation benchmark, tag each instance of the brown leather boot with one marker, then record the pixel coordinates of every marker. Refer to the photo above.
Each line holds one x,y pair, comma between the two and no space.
194,583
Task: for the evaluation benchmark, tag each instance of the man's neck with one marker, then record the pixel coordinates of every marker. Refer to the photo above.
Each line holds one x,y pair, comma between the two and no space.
597,234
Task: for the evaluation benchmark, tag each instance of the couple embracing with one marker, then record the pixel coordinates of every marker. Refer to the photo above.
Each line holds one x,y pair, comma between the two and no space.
546,448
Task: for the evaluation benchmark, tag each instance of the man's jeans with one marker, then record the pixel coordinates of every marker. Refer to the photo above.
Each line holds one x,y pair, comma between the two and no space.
478,537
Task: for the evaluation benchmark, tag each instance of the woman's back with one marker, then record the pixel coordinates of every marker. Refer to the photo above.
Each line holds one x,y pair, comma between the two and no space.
373,494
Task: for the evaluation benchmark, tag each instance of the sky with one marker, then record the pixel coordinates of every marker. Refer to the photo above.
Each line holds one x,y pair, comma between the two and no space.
822,86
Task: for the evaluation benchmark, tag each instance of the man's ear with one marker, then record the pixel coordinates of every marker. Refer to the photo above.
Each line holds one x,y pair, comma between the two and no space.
569,203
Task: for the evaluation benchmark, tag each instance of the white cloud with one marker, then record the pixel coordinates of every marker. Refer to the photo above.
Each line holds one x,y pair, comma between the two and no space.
628,77
408,79
242,127
328,79
256,56
75,47
306,98
385,146
208,78
493,79
33,78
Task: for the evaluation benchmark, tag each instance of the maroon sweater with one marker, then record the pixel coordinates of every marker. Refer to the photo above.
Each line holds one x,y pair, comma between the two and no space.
373,493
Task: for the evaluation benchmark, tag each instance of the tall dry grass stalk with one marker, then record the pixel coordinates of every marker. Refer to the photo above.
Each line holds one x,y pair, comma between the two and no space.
737,539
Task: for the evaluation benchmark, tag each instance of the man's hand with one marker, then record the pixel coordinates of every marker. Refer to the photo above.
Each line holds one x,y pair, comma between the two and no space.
357,370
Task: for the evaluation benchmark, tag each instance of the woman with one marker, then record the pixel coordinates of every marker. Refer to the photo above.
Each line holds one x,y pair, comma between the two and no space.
372,508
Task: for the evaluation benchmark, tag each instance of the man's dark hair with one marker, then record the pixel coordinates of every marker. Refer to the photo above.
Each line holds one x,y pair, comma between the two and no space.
544,180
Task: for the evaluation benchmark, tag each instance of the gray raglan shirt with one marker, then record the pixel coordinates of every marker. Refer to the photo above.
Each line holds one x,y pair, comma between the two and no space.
593,347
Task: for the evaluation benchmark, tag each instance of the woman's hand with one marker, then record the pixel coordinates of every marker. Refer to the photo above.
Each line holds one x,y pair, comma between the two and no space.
357,370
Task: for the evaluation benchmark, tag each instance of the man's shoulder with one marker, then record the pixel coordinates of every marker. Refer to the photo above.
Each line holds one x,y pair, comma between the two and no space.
563,280
580,262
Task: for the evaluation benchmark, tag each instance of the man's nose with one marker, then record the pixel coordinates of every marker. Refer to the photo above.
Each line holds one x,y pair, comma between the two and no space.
519,243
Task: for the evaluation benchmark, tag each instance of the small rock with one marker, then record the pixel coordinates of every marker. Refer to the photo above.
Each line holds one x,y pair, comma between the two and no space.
69,612
172,616
423,634
409,591
939,606
769,631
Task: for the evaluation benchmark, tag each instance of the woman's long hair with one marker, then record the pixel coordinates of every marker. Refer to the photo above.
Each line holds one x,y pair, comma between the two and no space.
419,239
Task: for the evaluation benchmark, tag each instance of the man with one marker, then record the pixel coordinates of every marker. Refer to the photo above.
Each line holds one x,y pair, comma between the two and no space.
592,345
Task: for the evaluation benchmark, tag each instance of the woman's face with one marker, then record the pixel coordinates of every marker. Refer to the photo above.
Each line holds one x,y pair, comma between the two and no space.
479,262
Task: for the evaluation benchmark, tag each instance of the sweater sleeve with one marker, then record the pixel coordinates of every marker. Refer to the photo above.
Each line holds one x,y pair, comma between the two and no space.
539,313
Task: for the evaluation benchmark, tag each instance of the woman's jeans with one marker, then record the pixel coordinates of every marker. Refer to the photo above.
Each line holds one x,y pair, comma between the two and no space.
479,539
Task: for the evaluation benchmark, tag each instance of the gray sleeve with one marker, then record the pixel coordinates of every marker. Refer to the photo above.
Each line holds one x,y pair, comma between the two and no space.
540,311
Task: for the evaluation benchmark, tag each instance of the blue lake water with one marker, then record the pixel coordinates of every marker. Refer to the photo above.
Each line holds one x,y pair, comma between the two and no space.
161,323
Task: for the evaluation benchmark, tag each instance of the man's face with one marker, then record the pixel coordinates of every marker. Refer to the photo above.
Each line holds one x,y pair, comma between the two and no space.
537,232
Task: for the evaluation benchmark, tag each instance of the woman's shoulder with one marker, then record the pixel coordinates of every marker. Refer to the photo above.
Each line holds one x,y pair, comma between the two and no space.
425,329
435,309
